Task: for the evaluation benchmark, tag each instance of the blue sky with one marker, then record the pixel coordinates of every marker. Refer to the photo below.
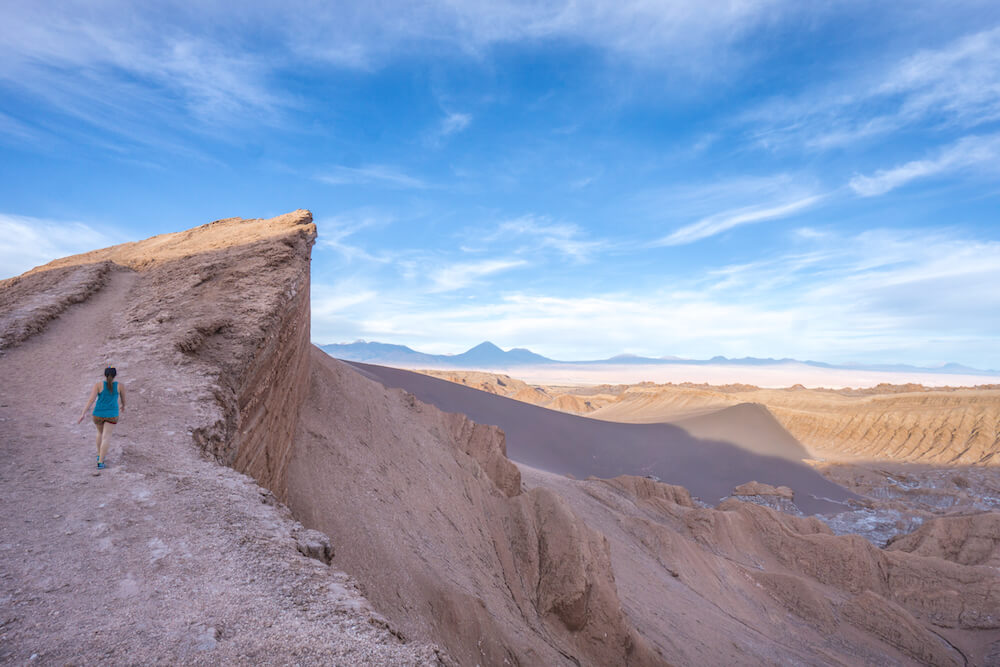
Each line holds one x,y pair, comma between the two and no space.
756,177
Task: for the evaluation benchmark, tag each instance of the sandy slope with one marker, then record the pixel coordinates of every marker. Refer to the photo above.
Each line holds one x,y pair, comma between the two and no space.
432,520
925,426
165,557
738,446
892,423
737,584
746,585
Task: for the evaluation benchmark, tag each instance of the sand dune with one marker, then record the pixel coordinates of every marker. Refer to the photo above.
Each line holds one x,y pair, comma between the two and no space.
908,423
926,426
573,445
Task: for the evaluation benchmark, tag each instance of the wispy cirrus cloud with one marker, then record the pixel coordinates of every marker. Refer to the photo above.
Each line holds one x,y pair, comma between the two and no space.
957,85
27,242
542,232
968,152
117,62
373,174
335,232
462,274
726,220
641,31
328,301
871,296
454,123
119,65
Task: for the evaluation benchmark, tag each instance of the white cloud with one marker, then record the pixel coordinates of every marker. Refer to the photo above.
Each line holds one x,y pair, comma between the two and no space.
957,85
880,296
452,123
721,222
374,174
542,232
18,130
961,81
651,32
85,57
457,276
334,232
330,300
455,122
965,153
135,54
27,242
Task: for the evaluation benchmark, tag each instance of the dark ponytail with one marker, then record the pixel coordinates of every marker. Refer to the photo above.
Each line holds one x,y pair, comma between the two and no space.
109,376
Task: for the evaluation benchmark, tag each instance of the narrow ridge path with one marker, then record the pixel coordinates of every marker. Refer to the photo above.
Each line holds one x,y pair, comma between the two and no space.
165,556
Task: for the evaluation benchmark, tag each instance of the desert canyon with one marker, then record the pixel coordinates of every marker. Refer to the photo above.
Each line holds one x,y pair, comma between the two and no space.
268,504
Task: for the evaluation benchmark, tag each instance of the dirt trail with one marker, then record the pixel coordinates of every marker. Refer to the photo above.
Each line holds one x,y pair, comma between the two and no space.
165,556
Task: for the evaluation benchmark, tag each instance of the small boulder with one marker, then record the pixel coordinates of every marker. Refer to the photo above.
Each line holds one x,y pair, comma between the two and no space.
315,544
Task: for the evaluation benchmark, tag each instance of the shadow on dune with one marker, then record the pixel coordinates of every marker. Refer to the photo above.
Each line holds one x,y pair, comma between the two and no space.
571,445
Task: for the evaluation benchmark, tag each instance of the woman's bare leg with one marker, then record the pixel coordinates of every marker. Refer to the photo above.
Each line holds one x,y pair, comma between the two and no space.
105,440
99,434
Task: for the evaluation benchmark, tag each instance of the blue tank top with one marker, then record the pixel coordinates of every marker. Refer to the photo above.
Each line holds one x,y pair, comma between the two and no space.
107,401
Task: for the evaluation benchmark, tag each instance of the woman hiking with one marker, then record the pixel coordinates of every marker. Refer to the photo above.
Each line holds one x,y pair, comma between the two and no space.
108,394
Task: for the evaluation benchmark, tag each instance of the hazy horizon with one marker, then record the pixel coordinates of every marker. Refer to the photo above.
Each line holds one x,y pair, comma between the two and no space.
582,179
780,374
623,355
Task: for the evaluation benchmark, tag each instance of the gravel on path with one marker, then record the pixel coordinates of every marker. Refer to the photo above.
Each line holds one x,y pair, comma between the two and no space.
165,556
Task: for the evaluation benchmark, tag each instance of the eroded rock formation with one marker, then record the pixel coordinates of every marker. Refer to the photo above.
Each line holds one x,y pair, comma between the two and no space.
970,540
165,557
433,522
232,296
448,538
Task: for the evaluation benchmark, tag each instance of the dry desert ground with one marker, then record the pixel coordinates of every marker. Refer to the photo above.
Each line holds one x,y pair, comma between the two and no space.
267,504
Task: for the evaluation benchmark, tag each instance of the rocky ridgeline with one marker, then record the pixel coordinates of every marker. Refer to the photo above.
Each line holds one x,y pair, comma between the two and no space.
421,510
166,556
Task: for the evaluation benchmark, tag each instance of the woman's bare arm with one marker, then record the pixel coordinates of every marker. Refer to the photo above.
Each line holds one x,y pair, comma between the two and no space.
121,397
90,401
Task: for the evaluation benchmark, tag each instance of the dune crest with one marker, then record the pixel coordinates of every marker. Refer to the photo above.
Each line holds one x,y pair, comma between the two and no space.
910,423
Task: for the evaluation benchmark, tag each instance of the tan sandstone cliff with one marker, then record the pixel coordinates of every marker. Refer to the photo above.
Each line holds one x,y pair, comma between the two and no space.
232,296
166,557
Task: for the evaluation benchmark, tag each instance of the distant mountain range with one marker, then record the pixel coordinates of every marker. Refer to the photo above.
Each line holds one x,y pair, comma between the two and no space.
488,356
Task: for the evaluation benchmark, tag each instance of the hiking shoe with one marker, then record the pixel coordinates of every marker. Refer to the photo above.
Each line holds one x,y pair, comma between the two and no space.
100,465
